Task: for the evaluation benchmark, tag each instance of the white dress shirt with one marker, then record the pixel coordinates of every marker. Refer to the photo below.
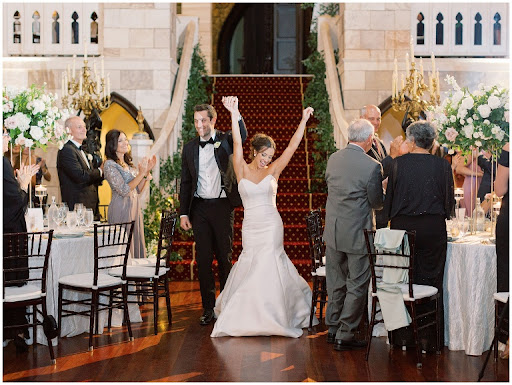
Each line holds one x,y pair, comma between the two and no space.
81,151
209,182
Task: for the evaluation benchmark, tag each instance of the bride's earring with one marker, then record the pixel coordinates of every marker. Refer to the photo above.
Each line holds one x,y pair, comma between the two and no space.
255,153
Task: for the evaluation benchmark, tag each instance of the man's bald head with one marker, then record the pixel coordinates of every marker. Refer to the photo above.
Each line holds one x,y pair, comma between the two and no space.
372,113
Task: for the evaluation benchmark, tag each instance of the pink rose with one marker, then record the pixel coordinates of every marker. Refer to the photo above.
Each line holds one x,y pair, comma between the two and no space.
451,133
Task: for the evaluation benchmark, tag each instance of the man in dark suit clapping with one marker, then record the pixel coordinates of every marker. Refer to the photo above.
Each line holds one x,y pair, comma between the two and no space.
77,177
208,196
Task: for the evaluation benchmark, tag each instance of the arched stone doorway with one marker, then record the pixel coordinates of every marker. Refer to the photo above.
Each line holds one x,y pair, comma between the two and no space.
264,38
121,115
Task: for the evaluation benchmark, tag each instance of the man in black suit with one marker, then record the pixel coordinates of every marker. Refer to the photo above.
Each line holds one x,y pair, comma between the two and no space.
208,196
77,177
378,152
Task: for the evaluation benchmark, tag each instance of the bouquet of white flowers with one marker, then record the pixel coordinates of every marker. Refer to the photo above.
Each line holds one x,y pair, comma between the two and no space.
478,119
32,119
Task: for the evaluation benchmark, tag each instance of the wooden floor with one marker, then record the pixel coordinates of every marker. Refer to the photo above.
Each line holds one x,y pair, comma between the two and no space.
185,352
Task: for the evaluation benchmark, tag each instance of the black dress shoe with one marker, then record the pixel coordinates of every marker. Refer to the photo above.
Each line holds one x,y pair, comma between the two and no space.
21,345
207,317
342,345
331,337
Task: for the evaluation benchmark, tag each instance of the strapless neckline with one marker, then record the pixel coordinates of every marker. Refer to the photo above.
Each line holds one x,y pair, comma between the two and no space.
256,184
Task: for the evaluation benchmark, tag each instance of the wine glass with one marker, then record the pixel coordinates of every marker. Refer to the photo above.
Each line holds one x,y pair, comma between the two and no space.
80,211
88,217
63,211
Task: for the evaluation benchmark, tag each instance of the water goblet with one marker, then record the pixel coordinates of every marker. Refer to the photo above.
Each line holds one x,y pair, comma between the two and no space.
71,220
88,217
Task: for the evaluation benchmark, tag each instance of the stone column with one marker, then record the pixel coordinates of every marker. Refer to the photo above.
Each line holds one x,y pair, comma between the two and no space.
140,149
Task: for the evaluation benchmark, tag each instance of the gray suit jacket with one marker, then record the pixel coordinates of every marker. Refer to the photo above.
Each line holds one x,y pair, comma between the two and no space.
354,182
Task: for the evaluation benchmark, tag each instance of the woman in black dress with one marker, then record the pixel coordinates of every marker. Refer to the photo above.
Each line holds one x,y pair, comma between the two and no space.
420,197
15,200
502,227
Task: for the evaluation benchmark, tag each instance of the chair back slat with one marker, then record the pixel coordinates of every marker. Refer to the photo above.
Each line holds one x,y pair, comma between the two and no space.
314,230
376,264
112,243
25,259
165,237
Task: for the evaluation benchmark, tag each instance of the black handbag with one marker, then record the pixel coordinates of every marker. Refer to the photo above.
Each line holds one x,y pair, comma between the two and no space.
50,327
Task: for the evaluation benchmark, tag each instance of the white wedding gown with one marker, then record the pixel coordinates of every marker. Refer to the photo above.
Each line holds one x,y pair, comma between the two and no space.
264,294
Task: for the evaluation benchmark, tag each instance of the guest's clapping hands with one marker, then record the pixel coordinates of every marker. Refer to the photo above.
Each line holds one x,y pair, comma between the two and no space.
25,174
306,113
231,103
151,163
395,147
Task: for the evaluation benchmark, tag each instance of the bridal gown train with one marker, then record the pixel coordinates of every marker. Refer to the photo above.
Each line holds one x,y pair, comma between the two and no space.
264,294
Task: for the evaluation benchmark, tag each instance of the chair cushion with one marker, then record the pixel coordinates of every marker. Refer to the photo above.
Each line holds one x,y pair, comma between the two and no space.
151,261
86,280
320,271
23,293
138,272
501,297
419,291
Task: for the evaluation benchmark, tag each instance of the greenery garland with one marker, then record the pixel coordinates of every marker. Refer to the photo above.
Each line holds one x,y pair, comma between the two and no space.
165,195
317,97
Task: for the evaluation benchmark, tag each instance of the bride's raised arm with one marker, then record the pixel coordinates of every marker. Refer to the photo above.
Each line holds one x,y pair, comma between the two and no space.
231,104
280,163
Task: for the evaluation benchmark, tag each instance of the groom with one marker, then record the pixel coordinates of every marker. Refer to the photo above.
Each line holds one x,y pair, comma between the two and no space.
208,196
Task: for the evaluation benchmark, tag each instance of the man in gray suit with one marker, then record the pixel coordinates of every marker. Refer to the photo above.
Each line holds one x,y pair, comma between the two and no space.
354,182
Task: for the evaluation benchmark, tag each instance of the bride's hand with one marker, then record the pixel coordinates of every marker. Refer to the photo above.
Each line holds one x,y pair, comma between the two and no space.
231,103
306,113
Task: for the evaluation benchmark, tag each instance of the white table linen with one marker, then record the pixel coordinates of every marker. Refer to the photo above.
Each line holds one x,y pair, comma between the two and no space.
469,285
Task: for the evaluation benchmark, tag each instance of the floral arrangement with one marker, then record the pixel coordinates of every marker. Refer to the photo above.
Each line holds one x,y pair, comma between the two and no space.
32,119
468,120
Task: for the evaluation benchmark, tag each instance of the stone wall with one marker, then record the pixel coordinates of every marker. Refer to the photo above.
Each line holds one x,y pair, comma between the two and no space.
371,35
139,47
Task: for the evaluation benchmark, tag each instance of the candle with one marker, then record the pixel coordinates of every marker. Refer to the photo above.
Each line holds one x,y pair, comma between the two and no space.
102,68
80,88
438,85
406,64
66,84
85,49
432,58
403,82
108,86
95,71
430,84
69,71
421,67
393,85
412,49
74,56
396,67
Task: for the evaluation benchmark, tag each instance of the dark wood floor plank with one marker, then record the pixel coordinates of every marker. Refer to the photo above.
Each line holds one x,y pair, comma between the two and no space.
184,351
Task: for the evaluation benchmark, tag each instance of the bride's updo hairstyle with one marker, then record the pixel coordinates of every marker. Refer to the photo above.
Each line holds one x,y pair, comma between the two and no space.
260,142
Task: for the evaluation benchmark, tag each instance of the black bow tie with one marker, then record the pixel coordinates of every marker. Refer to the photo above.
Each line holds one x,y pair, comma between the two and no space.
203,143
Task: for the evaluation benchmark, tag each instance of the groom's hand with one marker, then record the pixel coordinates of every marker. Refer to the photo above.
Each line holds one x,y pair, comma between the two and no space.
185,223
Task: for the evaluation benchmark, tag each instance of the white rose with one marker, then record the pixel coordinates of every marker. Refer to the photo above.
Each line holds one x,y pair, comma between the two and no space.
476,134
40,123
38,106
462,113
8,106
451,151
23,121
462,121
493,102
478,93
495,129
486,122
475,117
478,143
484,110
500,135
11,122
43,140
20,140
453,119
36,132
469,120
467,103
468,131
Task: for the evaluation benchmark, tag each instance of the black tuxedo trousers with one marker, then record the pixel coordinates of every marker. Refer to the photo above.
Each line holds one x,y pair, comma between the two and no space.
212,221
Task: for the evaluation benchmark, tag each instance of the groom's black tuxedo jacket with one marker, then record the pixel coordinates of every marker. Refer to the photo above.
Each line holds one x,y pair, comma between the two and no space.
223,155
77,180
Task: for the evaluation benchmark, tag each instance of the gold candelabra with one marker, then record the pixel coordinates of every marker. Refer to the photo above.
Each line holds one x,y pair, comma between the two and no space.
85,92
413,87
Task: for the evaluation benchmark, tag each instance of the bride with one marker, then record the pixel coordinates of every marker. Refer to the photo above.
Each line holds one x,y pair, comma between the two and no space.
264,294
